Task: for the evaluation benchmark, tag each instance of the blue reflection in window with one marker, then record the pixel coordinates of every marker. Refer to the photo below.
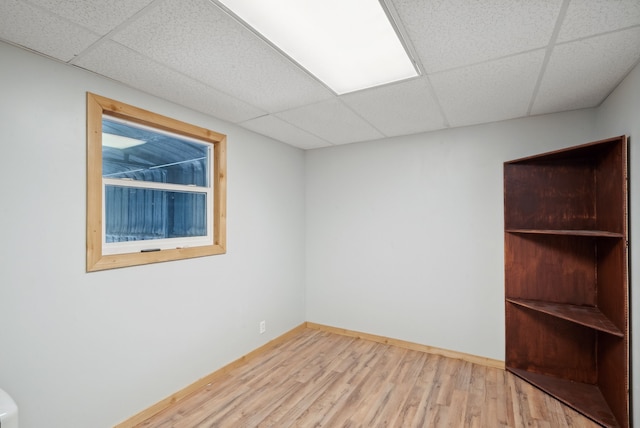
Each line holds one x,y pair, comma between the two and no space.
136,213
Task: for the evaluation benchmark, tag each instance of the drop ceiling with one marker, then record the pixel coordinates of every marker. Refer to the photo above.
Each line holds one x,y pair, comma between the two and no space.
480,61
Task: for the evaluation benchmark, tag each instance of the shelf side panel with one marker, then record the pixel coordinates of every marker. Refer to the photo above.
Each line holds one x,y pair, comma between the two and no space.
542,344
613,375
533,271
612,282
611,187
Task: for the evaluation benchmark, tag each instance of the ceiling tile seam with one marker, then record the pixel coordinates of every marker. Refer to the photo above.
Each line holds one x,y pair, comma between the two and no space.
275,115
193,79
32,50
61,17
547,54
268,43
141,90
593,36
486,61
115,30
421,68
348,107
436,100
383,85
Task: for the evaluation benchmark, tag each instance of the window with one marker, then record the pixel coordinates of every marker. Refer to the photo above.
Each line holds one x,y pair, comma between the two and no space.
156,187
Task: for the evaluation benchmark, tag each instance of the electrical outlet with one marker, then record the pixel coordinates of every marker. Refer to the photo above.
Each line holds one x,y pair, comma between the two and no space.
263,326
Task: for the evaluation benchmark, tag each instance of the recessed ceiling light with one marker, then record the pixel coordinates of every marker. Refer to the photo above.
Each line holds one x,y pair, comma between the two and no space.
347,44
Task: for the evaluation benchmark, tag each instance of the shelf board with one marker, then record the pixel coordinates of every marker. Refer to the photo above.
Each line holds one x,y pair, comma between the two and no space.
587,316
568,232
585,398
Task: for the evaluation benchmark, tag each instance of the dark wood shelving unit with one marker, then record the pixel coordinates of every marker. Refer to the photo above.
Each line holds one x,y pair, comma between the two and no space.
566,280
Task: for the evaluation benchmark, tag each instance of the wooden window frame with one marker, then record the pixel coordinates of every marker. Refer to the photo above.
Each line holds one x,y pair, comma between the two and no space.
97,106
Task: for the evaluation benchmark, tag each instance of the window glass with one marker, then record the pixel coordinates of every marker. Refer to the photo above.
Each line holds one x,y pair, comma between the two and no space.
135,214
131,151
135,153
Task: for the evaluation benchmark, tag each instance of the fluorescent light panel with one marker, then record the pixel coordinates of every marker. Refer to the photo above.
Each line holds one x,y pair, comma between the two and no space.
347,44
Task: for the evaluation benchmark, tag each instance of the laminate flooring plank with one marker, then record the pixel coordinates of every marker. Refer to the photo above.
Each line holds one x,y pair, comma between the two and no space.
402,384
445,384
495,400
363,387
188,405
271,381
231,392
430,388
458,409
323,379
476,397
347,372
380,387
336,375
424,374
325,405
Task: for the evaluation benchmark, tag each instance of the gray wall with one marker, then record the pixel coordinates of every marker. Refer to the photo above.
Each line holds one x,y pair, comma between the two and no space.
405,235
400,237
82,350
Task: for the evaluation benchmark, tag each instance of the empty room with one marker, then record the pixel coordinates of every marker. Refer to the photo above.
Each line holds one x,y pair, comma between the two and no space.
209,223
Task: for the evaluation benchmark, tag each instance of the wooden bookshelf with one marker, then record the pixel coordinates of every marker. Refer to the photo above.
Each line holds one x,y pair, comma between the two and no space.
566,281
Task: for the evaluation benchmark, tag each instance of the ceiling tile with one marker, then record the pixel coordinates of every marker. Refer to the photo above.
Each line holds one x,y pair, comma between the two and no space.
280,130
581,74
403,108
492,91
200,40
485,60
453,33
589,17
332,121
98,15
34,28
120,63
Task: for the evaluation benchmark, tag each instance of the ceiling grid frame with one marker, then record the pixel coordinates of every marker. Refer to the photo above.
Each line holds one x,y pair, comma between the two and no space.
256,87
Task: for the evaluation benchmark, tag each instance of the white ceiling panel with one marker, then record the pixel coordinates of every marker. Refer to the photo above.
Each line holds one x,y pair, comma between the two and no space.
490,91
581,74
202,41
98,15
278,129
40,30
398,109
332,121
481,61
124,65
453,33
589,17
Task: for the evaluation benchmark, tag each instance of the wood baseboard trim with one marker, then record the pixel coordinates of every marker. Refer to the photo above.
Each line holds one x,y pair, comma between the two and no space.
475,359
201,383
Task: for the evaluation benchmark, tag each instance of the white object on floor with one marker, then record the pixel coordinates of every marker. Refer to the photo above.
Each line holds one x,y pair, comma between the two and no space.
8,411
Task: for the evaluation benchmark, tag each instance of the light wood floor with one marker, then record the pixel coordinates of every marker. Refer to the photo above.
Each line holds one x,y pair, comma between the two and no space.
322,379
